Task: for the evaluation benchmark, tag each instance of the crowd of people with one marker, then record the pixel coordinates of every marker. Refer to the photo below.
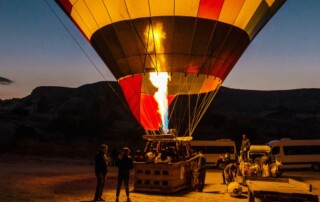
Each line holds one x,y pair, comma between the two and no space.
160,153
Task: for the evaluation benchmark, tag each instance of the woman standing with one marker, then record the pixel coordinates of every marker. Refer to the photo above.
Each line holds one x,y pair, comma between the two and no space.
125,163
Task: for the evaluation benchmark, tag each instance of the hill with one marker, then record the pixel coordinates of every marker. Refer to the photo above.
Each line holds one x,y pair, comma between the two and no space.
60,120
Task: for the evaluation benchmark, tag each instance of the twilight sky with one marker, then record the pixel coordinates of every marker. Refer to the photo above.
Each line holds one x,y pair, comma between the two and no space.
37,50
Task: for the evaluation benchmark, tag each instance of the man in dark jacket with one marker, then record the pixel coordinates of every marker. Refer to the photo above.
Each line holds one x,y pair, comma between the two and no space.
125,163
101,170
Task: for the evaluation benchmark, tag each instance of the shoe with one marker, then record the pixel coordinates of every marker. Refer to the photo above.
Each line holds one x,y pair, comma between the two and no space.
101,199
117,199
128,199
95,199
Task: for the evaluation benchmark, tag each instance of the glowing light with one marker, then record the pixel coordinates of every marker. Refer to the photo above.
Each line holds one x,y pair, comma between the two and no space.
160,80
155,37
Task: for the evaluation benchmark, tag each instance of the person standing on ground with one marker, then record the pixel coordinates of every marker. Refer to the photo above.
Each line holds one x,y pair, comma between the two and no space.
199,170
223,162
101,170
125,164
245,144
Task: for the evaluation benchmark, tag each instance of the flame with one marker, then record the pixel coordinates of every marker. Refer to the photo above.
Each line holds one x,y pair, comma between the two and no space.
155,37
160,80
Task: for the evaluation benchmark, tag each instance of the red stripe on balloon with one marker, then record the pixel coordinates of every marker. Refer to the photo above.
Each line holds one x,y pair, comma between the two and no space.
210,9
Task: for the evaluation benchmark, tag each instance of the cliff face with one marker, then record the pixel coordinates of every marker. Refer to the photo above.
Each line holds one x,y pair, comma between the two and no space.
96,113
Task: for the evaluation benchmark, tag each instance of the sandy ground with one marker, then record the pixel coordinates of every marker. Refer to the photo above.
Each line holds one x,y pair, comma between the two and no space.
61,180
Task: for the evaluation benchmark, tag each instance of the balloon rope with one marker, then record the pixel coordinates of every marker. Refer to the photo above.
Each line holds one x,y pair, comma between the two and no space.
179,121
171,119
197,109
206,98
209,101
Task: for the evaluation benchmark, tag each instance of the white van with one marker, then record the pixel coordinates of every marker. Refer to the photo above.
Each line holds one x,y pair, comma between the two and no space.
297,153
214,149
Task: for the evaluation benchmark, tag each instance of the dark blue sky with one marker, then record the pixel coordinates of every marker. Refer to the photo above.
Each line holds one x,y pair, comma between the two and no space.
36,50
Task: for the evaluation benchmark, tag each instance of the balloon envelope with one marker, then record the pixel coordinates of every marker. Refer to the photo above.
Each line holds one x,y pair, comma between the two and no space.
196,41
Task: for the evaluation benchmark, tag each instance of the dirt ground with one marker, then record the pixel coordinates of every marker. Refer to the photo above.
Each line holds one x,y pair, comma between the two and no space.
61,180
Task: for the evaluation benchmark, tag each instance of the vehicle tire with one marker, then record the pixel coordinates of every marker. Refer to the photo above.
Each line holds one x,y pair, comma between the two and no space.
316,166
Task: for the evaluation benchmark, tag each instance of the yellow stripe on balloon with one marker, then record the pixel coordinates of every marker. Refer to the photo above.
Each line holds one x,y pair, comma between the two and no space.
270,2
138,8
81,14
117,10
162,8
187,8
261,15
246,13
230,11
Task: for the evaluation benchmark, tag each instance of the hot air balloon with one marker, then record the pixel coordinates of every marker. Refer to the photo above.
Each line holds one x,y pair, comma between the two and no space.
163,52
170,57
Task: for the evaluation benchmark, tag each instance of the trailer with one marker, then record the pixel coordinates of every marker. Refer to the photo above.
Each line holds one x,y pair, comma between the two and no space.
280,190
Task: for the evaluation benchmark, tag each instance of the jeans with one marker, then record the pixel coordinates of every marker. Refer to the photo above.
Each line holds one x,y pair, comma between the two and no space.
101,180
